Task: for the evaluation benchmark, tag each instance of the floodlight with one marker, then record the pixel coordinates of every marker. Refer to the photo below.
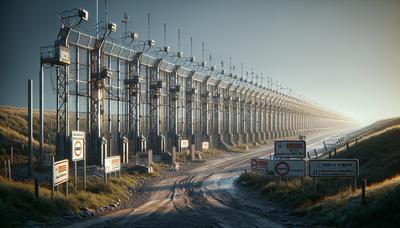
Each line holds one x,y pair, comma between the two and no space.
112,27
166,49
134,35
213,68
83,14
180,54
203,64
192,59
151,43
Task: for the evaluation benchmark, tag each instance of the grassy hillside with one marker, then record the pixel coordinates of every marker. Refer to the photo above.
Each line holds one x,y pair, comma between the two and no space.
378,153
14,131
335,204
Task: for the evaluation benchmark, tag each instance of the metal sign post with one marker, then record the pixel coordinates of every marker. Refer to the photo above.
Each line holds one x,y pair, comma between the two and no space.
60,175
78,153
290,149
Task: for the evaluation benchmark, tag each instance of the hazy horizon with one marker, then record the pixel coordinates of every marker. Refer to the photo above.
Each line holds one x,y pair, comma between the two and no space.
341,54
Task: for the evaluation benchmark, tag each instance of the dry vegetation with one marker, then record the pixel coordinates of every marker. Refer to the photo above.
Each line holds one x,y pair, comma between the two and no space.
335,204
14,132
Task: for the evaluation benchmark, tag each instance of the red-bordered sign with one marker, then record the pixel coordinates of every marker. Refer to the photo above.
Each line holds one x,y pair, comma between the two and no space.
60,172
282,168
290,168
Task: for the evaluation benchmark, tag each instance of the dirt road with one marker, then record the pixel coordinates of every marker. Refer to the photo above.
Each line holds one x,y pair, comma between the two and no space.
206,197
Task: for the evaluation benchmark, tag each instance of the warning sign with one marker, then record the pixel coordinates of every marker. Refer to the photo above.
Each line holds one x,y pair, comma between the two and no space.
290,168
205,145
184,143
78,147
60,172
290,149
112,164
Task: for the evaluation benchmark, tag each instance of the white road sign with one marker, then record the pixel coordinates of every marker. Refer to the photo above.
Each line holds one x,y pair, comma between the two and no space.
60,172
78,147
290,149
184,143
333,168
205,145
112,164
262,165
290,168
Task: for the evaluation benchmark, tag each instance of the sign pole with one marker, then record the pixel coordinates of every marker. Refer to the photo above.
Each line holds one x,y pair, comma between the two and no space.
354,184
52,184
75,177
84,170
66,189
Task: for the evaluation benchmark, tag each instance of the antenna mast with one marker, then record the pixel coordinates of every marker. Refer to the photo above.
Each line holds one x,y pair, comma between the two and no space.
191,46
148,26
165,34
179,40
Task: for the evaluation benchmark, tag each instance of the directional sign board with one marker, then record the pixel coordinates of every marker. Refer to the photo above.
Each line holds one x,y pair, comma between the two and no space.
184,143
290,168
78,147
112,164
333,168
262,165
60,172
205,145
290,149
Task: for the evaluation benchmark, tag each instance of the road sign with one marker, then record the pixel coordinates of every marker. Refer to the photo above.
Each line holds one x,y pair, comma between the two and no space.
112,164
60,172
290,149
78,147
260,165
290,168
184,143
333,168
205,145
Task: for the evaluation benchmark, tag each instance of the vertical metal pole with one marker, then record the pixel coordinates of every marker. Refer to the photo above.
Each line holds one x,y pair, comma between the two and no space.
97,19
52,178
84,168
41,100
12,154
66,189
363,188
30,108
9,169
75,177
36,188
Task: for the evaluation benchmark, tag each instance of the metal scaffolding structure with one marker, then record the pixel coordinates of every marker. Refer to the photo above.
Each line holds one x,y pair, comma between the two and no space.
119,95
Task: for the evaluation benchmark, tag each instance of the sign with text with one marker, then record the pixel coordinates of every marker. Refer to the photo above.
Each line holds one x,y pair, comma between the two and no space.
184,143
78,147
205,145
112,164
290,149
261,165
333,168
60,172
290,168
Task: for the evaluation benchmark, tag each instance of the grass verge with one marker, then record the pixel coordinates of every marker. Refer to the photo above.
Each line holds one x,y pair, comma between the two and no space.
18,203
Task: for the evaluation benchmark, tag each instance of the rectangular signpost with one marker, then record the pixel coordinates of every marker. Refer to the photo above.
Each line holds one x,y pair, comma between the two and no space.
290,149
78,153
328,168
60,175
290,168
262,165
184,143
112,165
333,168
205,145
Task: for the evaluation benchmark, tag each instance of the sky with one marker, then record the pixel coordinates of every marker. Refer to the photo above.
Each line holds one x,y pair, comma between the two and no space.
343,54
